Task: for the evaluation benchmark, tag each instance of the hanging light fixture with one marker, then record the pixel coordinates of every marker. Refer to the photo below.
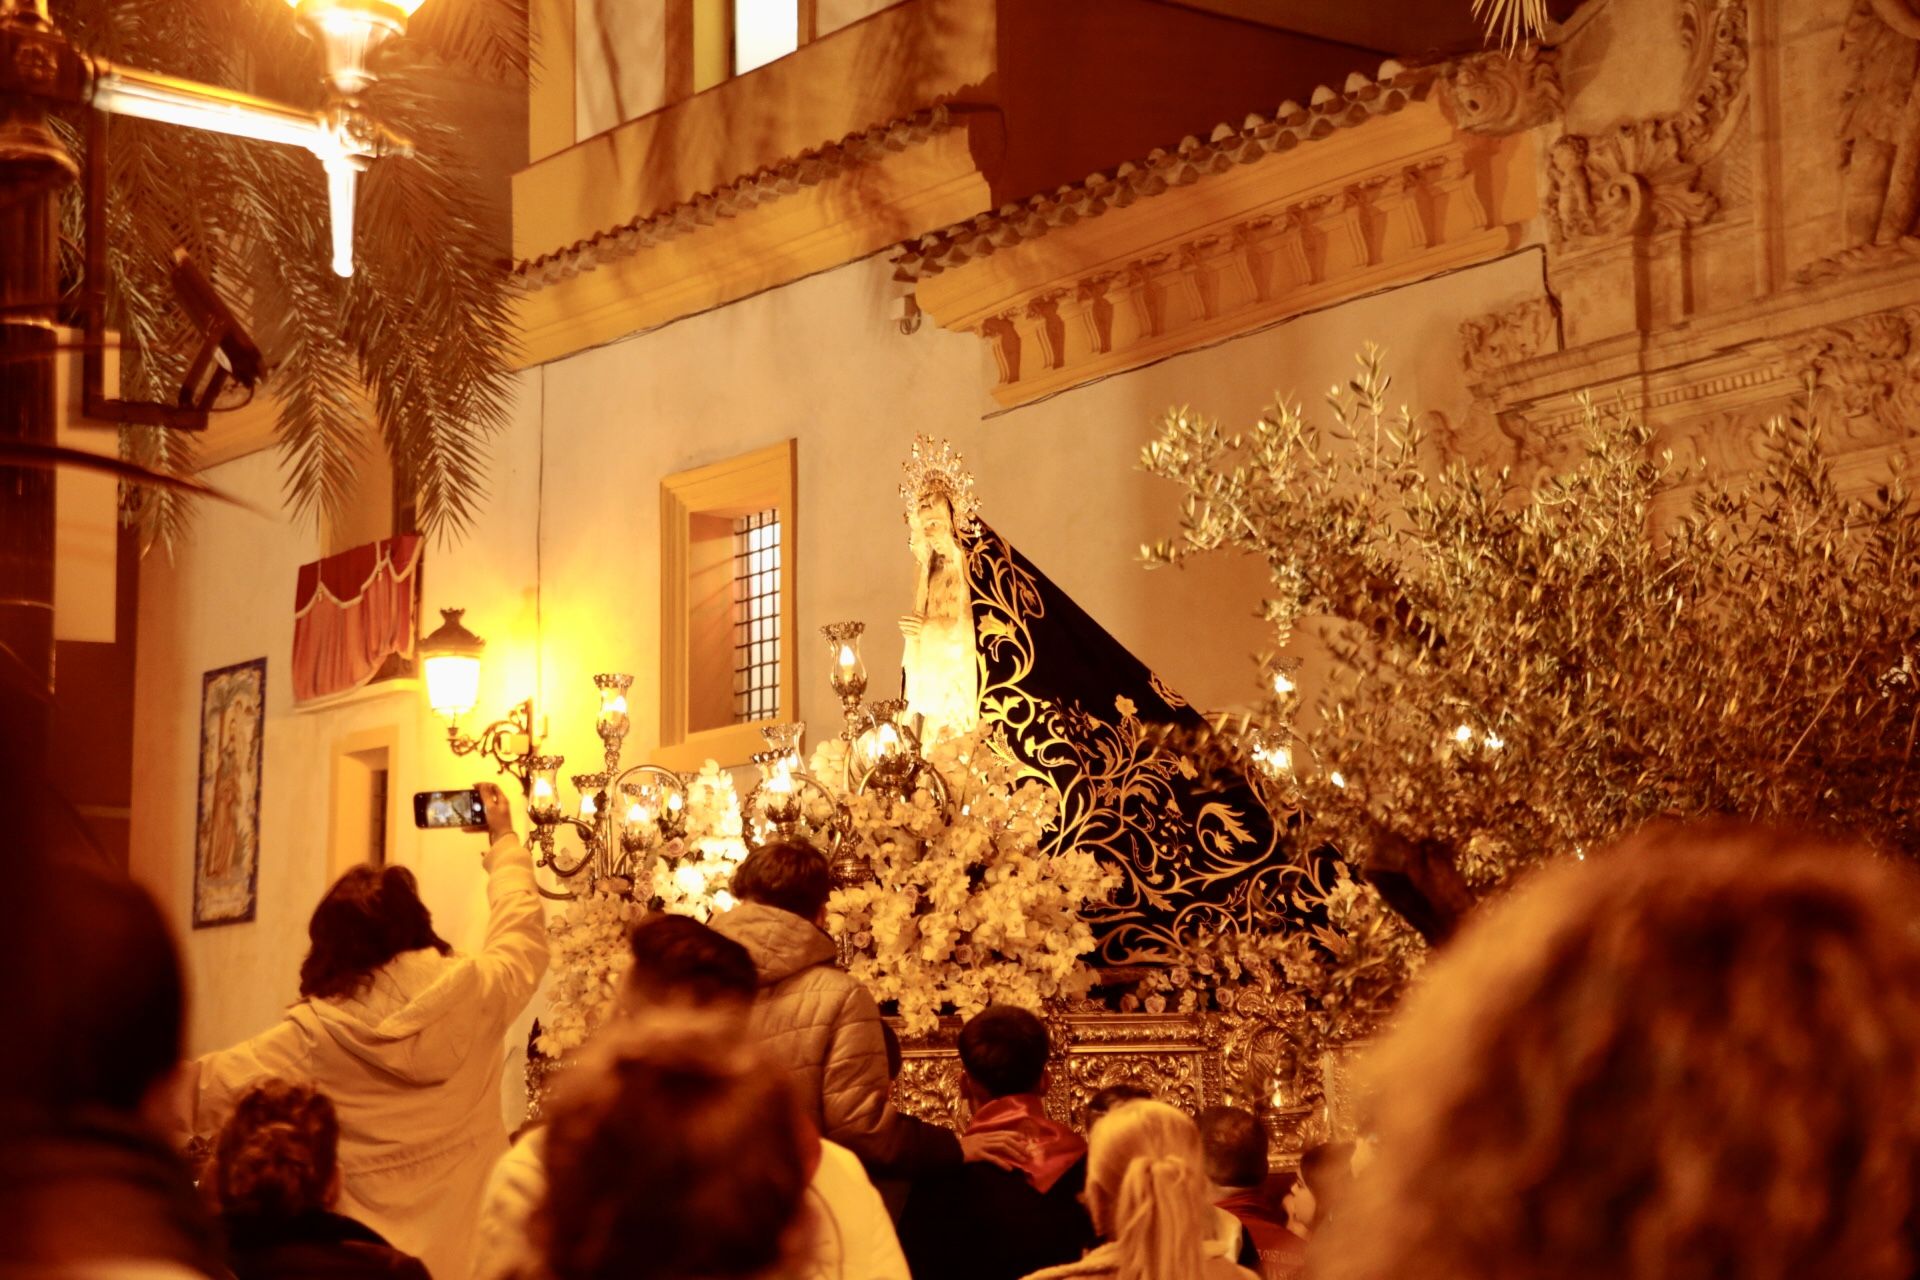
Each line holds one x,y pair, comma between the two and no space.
348,31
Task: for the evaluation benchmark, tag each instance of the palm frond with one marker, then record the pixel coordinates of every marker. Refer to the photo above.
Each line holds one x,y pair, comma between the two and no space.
1512,21
481,37
424,326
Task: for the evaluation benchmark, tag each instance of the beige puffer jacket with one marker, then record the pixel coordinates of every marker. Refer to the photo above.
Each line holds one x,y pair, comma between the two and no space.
818,1023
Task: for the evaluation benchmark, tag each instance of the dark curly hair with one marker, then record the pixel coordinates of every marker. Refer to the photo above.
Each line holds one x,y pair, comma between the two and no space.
1698,1055
368,917
787,873
673,1153
276,1155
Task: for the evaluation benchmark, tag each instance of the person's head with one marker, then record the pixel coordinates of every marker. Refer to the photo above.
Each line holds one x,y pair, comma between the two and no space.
1147,1190
679,961
1004,1051
674,1152
1325,1171
276,1157
95,1000
1109,1096
369,916
1696,1055
789,874
932,525
1236,1147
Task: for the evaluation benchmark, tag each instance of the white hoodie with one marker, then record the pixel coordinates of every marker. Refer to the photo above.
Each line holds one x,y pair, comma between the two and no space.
413,1064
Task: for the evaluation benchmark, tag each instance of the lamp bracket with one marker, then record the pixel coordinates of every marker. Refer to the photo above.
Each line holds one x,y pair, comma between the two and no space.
496,743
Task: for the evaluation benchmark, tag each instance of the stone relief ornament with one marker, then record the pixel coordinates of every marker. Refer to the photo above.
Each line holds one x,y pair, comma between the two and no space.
1646,175
1879,130
1880,121
1866,375
1500,93
1500,338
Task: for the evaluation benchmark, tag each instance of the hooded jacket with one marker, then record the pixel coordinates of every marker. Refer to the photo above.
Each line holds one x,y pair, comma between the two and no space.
413,1063
850,1235
822,1026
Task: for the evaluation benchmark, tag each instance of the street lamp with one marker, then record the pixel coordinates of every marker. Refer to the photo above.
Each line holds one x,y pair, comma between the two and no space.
42,71
450,660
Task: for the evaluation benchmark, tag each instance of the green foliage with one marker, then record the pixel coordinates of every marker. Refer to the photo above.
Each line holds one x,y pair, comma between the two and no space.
1523,671
423,327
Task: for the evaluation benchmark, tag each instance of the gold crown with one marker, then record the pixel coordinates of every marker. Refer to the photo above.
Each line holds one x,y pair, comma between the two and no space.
936,470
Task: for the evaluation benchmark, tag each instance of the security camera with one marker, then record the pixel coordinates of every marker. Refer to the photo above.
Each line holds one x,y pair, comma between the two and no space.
226,349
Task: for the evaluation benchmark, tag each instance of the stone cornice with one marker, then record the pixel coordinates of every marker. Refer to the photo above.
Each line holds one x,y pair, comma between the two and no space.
753,191
1220,237
1256,138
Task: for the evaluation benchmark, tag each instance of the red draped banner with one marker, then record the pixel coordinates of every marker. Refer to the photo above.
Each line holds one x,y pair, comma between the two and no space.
350,613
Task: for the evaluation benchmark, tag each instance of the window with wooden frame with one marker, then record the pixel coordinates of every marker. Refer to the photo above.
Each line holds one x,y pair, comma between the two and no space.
726,607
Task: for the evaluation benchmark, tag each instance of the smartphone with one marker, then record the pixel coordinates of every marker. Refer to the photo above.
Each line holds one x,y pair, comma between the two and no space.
443,810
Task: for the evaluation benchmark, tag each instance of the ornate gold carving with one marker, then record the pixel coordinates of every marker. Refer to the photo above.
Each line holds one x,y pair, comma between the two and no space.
1500,338
1499,93
1646,175
1190,1060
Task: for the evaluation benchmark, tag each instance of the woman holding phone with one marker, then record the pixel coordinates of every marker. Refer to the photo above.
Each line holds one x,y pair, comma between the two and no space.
406,1036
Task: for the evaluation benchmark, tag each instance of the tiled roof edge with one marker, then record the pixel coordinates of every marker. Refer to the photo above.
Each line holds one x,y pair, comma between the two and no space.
1255,138
783,178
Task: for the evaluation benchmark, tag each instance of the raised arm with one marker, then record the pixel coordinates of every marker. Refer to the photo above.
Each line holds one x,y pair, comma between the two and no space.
515,955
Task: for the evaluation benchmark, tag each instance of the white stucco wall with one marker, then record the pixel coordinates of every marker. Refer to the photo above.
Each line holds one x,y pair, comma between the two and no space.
561,571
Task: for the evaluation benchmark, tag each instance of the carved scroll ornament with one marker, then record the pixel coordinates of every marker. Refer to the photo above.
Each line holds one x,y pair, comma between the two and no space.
1500,338
1645,175
1866,375
1500,93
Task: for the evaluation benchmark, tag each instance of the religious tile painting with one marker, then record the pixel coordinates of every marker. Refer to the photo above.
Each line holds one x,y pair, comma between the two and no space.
226,865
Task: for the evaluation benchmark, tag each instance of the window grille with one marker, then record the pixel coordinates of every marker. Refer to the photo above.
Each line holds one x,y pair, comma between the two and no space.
756,616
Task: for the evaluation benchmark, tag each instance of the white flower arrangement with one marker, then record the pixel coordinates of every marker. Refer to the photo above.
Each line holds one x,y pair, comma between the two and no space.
590,960
963,908
690,875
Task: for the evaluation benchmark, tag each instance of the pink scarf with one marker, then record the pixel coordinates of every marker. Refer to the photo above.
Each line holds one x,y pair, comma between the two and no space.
1052,1148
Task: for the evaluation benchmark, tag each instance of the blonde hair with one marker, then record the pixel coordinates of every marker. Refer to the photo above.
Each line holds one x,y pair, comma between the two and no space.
1698,1055
1147,1191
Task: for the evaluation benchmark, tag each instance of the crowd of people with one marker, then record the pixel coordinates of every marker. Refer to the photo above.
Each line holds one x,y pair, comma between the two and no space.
1696,1055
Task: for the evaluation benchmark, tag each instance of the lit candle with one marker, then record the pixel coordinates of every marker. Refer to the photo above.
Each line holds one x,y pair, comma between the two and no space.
588,808
613,722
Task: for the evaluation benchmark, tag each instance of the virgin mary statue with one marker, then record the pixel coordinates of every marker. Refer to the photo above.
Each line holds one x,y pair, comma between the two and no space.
941,665
992,640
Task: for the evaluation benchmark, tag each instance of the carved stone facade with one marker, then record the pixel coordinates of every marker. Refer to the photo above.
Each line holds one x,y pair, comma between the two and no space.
1880,122
1647,175
1673,239
1865,375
